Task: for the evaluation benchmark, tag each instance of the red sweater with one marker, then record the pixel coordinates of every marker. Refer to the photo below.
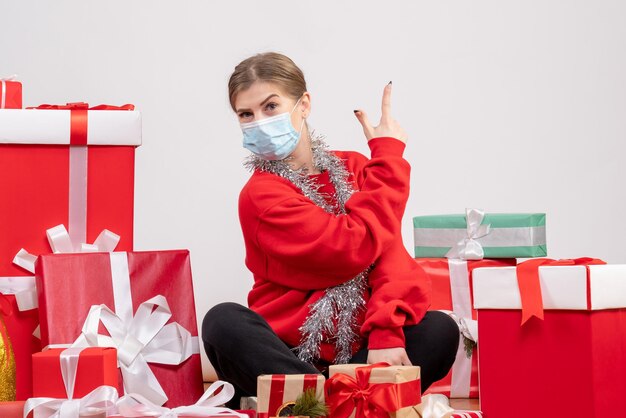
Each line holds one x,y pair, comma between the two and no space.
296,250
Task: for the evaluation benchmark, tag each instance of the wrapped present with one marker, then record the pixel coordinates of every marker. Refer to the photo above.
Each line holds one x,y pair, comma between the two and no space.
451,293
376,390
552,330
63,166
90,367
14,409
476,235
10,93
144,302
278,391
209,405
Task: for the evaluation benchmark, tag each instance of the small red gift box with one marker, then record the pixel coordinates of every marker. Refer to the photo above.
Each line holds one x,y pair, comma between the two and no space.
451,291
572,362
276,390
148,310
93,367
10,93
12,409
49,179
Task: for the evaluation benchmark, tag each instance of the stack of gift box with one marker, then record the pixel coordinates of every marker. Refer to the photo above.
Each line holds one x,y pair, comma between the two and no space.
87,325
540,337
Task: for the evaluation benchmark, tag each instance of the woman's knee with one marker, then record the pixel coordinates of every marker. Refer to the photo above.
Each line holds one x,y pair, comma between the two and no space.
447,330
220,322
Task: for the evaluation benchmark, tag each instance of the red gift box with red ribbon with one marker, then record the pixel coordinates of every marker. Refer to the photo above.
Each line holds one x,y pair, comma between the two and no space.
451,292
376,390
551,334
142,303
10,93
70,165
60,373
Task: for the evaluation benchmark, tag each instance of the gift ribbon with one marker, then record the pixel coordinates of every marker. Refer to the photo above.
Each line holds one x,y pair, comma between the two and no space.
100,400
345,394
468,248
434,406
275,390
140,339
530,287
135,405
460,384
3,99
60,241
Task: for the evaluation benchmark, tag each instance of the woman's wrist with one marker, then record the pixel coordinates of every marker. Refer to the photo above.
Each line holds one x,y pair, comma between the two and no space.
386,146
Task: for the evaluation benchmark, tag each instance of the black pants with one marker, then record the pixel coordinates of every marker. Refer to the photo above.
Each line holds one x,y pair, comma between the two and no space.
241,346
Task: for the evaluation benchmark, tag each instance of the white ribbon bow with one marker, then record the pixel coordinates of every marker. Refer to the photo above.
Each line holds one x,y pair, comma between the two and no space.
142,339
434,406
134,405
100,400
468,248
60,242
467,326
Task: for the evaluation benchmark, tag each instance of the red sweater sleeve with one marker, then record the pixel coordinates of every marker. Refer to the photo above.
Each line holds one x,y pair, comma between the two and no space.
291,229
400,295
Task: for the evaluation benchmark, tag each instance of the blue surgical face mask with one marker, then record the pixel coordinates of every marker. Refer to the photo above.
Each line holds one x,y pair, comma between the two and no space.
272,138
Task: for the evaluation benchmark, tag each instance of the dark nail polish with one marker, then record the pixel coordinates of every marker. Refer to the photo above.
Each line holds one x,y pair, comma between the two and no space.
390,82
356,111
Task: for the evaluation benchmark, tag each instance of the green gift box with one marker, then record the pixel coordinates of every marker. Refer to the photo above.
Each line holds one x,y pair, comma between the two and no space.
477,235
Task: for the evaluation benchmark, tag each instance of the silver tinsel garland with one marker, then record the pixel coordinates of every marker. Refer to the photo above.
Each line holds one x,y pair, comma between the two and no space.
335,315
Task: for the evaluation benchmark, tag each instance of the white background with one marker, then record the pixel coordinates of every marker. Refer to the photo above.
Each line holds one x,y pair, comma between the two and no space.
510,106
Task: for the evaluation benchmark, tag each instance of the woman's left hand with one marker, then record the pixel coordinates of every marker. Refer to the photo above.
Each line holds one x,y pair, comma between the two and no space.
394,356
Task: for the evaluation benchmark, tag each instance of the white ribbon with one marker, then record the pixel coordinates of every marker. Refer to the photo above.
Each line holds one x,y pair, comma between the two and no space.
140,339
59,239
23,288
434,405
3,99
100,400
460,384
134,405
468,248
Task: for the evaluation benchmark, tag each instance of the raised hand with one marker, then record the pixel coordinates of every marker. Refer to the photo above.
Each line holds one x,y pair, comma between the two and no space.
388,126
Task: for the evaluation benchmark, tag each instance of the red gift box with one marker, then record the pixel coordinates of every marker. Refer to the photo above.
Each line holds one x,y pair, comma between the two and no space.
134,285
572,362
12,409
10,93
451,291
94,367
47,182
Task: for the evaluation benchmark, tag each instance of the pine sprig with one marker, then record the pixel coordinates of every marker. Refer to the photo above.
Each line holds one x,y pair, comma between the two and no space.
308,405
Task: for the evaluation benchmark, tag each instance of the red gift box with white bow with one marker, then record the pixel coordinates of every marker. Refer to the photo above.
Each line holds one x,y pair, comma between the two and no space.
60,165
141,303
451,281
551,333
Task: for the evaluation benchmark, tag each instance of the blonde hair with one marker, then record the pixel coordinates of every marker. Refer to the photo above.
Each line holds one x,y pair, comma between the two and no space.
269,67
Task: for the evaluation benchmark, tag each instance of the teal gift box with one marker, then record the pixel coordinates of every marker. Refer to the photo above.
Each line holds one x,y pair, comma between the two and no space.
478,235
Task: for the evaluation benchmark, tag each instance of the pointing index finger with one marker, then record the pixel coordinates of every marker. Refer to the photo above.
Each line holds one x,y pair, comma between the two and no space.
386,105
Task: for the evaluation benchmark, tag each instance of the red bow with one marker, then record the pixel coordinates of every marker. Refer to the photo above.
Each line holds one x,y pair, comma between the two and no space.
78,117
345,394
85,106
528,282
